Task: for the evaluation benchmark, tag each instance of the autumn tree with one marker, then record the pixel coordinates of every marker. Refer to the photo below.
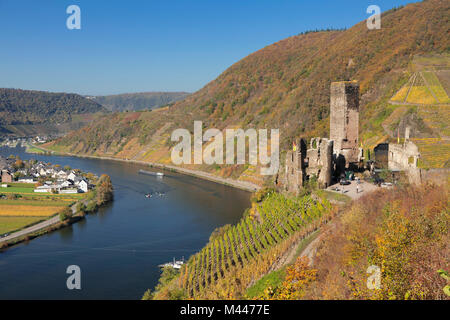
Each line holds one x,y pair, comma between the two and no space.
104,190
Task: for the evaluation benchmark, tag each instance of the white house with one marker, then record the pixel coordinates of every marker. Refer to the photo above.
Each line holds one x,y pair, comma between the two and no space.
43,189
65,184
26,180
62,174
83,185
72,176
68,191
47,188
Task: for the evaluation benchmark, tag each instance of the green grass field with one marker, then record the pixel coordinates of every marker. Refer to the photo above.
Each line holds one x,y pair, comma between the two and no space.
21,185
34,149
9,224
18,190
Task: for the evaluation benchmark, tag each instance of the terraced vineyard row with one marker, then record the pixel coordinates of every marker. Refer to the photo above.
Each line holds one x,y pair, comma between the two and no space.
277,218
434,153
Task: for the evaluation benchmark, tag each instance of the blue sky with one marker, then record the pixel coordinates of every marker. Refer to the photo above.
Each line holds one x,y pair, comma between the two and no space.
151,45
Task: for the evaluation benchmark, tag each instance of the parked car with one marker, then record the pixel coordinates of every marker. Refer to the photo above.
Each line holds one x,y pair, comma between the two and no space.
379,181
344,182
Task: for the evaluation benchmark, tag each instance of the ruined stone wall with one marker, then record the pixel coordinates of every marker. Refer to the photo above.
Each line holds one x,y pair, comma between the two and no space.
326,163
403,157
437,175
320,161
294,169
344,119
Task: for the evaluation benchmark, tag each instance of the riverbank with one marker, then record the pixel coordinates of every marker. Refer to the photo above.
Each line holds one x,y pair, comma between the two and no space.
130,236
83,204
243,185
37,230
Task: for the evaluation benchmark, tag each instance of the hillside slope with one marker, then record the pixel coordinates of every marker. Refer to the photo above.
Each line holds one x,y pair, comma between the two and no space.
25,112
286,86
139,101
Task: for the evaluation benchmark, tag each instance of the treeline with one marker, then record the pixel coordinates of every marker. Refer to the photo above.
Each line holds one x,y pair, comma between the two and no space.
322,30
100,195
139,101
33,107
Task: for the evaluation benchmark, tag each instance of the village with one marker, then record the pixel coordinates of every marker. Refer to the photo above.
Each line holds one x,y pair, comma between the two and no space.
12,142
48,178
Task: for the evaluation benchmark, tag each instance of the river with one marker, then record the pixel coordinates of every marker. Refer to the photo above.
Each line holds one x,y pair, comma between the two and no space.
119,248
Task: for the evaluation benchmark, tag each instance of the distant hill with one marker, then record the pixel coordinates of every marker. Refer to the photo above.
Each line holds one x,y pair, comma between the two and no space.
138,101
27,108
286,85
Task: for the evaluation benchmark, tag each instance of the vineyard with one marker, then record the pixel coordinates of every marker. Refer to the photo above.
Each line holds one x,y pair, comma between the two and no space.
422,88
247,250
434,153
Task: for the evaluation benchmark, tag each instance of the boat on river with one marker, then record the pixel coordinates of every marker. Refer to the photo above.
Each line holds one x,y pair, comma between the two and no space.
176,264
151,173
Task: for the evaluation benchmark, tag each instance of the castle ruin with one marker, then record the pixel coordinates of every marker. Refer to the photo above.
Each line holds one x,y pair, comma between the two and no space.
344,120
403,156
324,157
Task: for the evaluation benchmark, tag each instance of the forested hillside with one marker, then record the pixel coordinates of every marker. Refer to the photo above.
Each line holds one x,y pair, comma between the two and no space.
139,101
286,85
32,107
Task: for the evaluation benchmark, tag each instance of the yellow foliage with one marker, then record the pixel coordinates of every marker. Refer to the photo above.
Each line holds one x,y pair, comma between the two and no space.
403,232
421,95
400,95
24,210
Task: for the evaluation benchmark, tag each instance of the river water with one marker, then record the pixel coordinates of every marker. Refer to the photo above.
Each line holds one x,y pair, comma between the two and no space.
119,248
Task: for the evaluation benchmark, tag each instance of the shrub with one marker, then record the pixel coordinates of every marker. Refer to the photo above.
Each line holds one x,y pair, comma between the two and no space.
65,214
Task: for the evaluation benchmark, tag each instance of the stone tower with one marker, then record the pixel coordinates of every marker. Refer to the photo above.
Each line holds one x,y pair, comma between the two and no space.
294,175
344,119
